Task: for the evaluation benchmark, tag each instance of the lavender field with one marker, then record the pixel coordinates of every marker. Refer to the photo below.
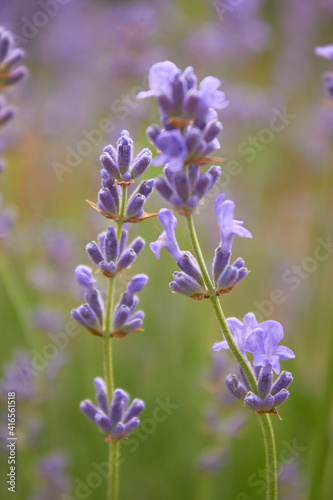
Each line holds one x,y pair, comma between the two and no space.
166,249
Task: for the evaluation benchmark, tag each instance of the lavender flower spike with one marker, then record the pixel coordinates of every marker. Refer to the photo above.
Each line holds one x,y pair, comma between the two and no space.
263,344
117,419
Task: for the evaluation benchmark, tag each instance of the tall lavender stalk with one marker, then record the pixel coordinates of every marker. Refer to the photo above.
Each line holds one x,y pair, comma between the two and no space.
188,137
111,255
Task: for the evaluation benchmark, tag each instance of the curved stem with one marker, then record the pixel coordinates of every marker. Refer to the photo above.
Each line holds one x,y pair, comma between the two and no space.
217,307
270,451
113,478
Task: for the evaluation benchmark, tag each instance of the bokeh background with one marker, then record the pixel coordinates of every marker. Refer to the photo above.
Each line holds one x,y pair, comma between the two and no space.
87,60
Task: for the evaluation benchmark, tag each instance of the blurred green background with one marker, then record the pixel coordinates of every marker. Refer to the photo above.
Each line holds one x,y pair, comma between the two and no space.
86,64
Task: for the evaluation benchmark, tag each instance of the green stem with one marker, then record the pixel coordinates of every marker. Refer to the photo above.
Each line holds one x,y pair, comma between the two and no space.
270,451
217,307
11,284
264,418
322,433
113,478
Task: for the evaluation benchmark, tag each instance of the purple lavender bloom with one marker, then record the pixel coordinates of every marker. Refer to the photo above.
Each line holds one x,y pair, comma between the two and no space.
90,315
116,419
188,282
167,239
119,164
282,382
224,210
263,344
236,387
240,332
135,205
83,275
325,51
177,149
185,190
109,255
125,320
253,402
227,275
177,93
10,73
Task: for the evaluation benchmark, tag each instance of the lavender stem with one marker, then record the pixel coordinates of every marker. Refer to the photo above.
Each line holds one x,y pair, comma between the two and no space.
113,479
270,451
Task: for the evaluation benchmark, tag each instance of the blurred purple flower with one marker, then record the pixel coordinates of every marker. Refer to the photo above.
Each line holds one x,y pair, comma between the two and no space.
325,51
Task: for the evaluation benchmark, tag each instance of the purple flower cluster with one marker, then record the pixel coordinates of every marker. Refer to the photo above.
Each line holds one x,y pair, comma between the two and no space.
189,135
119,171
112,256
262,340
190,281
91,315
117,419
125,320
227,275
327,52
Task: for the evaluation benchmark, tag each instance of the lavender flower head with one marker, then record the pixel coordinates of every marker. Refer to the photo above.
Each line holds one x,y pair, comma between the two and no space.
117,419
119,171
120,164
262,341
112,256
188,116
263,344
177,93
